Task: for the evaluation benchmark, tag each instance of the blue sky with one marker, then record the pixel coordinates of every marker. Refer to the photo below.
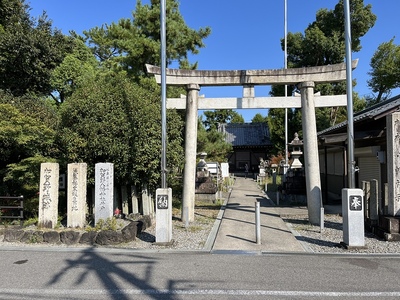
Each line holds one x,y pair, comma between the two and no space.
245,34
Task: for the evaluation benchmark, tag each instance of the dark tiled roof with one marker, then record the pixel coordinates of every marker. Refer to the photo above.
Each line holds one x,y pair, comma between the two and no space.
374,112
246,134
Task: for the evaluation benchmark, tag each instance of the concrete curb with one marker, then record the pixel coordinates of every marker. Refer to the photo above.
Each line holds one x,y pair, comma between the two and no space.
214,231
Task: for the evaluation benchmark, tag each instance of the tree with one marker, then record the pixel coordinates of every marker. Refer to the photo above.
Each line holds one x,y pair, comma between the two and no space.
324,40
131,43
77,67
27,134
258,118
220,116
111,119
323,43
12,12
276,125
385,70
213,143
29,50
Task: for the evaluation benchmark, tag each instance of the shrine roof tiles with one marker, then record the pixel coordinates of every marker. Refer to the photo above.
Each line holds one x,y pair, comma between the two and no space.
246,134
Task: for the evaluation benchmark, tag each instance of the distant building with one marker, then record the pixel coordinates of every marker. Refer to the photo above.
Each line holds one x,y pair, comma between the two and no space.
250,142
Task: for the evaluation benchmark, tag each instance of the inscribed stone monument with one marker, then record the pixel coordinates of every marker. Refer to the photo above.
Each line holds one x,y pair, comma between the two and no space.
104,191
48,195
76,195
393,163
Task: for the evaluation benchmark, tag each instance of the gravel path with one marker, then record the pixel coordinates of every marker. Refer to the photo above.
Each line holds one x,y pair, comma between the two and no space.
328,241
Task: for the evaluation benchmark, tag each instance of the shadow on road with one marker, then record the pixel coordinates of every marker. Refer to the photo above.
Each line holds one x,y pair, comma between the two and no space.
113,274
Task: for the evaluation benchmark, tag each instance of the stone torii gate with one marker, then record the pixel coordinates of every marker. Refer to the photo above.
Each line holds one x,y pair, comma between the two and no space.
304,78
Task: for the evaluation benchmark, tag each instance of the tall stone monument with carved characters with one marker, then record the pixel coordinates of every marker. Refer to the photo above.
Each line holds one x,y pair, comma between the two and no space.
76,195
393,163
48,195
104,191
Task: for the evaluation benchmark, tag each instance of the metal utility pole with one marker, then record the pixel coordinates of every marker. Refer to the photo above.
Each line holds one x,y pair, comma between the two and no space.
349,90
163,97
286,110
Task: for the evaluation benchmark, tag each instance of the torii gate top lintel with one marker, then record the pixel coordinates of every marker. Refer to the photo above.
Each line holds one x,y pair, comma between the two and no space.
319,74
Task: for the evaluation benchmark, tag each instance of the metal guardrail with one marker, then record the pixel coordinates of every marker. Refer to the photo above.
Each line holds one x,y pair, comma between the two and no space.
11,205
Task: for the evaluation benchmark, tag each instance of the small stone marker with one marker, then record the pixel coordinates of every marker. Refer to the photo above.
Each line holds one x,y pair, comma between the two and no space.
374,201
104,191
48,195
353,217
164,215
146,202
135,201
124,200
76,195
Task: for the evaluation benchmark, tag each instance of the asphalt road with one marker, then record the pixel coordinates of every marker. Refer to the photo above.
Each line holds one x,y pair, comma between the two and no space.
123,274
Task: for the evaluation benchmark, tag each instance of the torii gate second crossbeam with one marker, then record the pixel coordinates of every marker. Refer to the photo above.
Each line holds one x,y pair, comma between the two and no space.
304,78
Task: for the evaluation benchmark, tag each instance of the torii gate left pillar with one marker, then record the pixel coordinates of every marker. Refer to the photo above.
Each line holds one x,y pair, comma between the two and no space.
310,144
189,171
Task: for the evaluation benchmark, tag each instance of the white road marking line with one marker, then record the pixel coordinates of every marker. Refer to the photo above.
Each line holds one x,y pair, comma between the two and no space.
195,292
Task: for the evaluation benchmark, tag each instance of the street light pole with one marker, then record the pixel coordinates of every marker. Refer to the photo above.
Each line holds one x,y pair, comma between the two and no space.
349,90
163,97
286,110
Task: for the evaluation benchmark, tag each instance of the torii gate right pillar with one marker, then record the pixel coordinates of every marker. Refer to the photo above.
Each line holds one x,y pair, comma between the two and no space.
311,160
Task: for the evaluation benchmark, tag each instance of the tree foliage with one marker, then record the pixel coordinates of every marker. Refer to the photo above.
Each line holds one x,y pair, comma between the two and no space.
27,134
276,124
213,143
76,68
12,12
29,50
108,109
131,43
115,120
221,116
258,118
385,70
323,43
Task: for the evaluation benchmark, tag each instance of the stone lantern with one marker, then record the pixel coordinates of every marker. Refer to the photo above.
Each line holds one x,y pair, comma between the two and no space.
205,188
201,168
296,144
295,184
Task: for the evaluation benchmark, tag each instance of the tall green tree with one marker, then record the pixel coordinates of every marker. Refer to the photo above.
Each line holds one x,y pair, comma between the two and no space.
131,43
29,50
385,70
76,68
13,12
323,43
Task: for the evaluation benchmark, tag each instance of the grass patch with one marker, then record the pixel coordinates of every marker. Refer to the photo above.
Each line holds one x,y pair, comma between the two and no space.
191,228
108,224
300,225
